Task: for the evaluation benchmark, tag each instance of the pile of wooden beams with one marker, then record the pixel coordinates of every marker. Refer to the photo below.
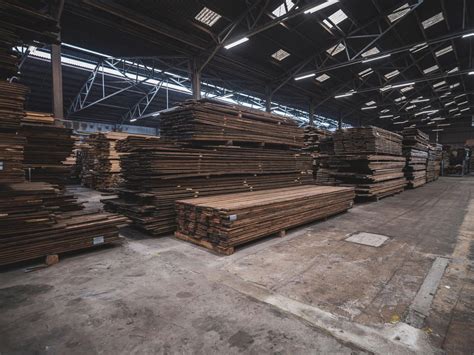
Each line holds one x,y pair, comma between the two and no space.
415,149
101,161
206,121
223,222
433,164
325,167
314,138
36,220
158,172
47,147
370,159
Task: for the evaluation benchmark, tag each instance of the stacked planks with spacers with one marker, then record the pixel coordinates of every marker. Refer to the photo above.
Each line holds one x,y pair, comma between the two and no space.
415,149
222,222
207,149
370,159
36,218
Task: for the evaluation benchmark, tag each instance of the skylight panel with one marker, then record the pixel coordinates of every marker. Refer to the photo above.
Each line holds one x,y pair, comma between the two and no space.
401,98
337,17
410,107
280,54
336,49
370,52
433,20
283,9
399,13
385,111
454,70
441,83
444,51
431,69
366,72
370,103
207,17
392,74
455,85
419,47
408,88
322,78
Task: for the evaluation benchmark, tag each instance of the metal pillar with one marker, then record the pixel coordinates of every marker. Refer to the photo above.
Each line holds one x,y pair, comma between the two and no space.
339,120
58,108
195,80
268,99
311,112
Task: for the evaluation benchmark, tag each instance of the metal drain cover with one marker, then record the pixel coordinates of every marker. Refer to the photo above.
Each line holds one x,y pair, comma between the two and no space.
370,239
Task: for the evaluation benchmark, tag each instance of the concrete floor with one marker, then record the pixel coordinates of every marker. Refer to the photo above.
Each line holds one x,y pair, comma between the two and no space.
310,292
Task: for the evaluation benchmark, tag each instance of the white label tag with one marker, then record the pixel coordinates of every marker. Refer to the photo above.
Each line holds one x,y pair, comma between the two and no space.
98,240
233,217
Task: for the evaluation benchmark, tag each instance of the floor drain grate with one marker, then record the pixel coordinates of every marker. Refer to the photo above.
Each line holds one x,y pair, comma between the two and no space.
370,239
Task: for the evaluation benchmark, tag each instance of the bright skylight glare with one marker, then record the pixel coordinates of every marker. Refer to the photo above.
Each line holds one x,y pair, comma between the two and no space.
444,51
430,69
370,52
335,19
392,74
280,54
399,13
336,49
366,72
438,84
418,47
433,20
322,78
283,9
407,89
207,17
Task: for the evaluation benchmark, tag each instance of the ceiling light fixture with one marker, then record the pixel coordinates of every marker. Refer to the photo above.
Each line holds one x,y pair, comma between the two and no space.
369,108
236,43
402,85
468,35
345,95
321,6
305,76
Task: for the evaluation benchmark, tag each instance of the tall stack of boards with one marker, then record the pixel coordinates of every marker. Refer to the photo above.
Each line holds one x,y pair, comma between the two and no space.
415,149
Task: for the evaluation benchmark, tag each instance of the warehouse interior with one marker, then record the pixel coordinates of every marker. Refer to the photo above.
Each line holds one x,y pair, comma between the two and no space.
247,176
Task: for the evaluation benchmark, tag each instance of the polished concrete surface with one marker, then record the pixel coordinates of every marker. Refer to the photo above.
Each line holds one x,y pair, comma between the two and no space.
309,292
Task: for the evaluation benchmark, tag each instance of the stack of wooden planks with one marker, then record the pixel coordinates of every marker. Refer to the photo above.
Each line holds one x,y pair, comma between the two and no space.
158,172
223,222
415,149
324,174
433,164
47,147
38,118
370,159
37,219
367,140
313,137
206,121
101,161
12,98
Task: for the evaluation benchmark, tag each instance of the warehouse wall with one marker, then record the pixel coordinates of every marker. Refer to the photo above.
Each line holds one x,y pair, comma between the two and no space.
91,127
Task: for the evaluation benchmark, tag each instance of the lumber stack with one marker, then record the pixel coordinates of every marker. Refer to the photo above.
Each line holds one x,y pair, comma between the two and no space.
415,149
222,222
38,118
370,159
12,98
157,172
156,176
37,219
433,164
101,161
207,121
47,147
326,163
313,138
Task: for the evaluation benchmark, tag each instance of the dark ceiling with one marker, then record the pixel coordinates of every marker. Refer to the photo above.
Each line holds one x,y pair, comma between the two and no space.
161,28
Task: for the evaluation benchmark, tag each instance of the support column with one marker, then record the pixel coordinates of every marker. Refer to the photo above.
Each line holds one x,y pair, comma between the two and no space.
311,112
57,77
195,80
339,120
268,99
